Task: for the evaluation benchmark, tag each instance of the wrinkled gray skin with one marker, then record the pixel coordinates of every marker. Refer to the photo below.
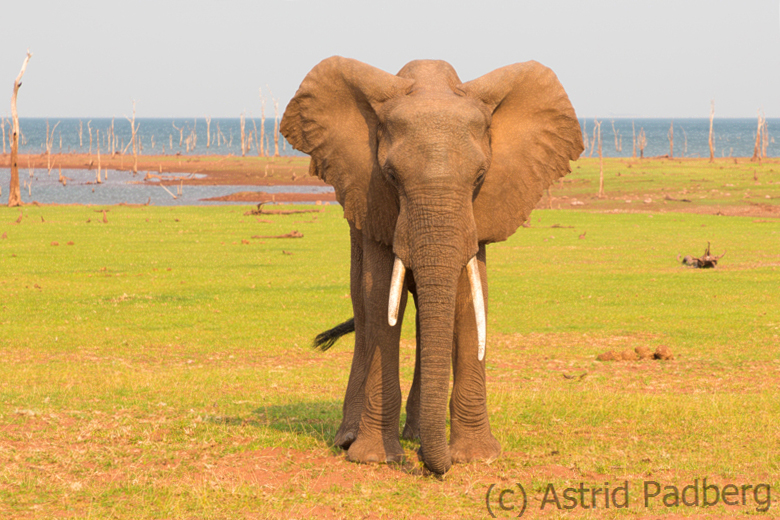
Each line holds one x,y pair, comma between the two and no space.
429,170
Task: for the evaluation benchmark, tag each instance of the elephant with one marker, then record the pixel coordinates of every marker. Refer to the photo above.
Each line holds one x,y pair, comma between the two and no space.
428,170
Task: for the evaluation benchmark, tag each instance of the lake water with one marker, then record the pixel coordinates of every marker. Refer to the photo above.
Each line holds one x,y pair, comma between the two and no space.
122,186
732,137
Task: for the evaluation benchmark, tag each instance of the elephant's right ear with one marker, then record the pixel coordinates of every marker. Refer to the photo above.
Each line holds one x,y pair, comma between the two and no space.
333,118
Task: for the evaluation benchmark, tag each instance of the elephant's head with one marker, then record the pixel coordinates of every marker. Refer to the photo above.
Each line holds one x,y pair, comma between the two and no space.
433,168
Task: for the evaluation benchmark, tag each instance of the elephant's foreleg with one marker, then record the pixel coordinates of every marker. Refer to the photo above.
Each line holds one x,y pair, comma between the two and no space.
470,435
377,439
353,399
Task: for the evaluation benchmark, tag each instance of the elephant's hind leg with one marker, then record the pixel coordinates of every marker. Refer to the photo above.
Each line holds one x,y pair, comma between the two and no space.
353,399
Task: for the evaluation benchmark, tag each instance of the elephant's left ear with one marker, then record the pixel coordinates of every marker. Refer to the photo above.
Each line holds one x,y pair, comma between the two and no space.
534,134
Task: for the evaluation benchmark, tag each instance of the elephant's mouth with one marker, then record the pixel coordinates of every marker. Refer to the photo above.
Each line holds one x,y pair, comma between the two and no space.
475,282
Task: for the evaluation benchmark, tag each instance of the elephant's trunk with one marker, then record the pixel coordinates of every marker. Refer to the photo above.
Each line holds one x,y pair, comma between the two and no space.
435,238
436,295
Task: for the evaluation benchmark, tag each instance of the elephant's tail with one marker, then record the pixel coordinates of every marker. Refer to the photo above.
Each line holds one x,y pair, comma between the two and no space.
327,339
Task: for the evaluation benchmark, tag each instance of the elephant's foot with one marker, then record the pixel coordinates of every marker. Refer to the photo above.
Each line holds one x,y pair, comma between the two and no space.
375,449
411,432
467,449
346,435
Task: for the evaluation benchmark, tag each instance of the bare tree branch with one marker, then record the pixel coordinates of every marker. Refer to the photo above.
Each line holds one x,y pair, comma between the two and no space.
712,116
14,194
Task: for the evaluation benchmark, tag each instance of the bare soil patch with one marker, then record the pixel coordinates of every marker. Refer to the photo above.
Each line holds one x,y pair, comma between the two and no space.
572,360
612,204
259,196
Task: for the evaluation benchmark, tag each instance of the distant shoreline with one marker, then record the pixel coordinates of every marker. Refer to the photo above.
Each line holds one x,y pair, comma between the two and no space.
175,171
248,170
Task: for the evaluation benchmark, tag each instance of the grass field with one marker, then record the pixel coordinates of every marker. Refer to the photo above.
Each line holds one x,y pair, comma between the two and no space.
157,365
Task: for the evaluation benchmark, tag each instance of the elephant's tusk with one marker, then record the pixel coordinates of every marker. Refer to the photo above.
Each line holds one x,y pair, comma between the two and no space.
396,286
479,305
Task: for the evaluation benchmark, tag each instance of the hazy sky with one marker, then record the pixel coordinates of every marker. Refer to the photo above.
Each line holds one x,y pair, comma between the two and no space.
651,58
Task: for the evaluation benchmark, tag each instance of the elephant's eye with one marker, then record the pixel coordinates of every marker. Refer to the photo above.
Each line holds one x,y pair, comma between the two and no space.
391,175
480,177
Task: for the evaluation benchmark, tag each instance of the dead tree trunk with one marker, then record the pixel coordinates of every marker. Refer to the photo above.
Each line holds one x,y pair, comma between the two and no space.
706,261
633,140
194,133
641,142
276,127
49,143
3,127
712,116
97,179
81,133
616,134
89,130
243,136
263,148
63,180
14,193
48,155
254,124
181,133
108,142
766,139
134,130
757,148
601,159
208,131
671,140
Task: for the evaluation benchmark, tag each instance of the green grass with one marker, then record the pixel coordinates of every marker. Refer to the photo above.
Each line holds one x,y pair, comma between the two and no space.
159,367
629,182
